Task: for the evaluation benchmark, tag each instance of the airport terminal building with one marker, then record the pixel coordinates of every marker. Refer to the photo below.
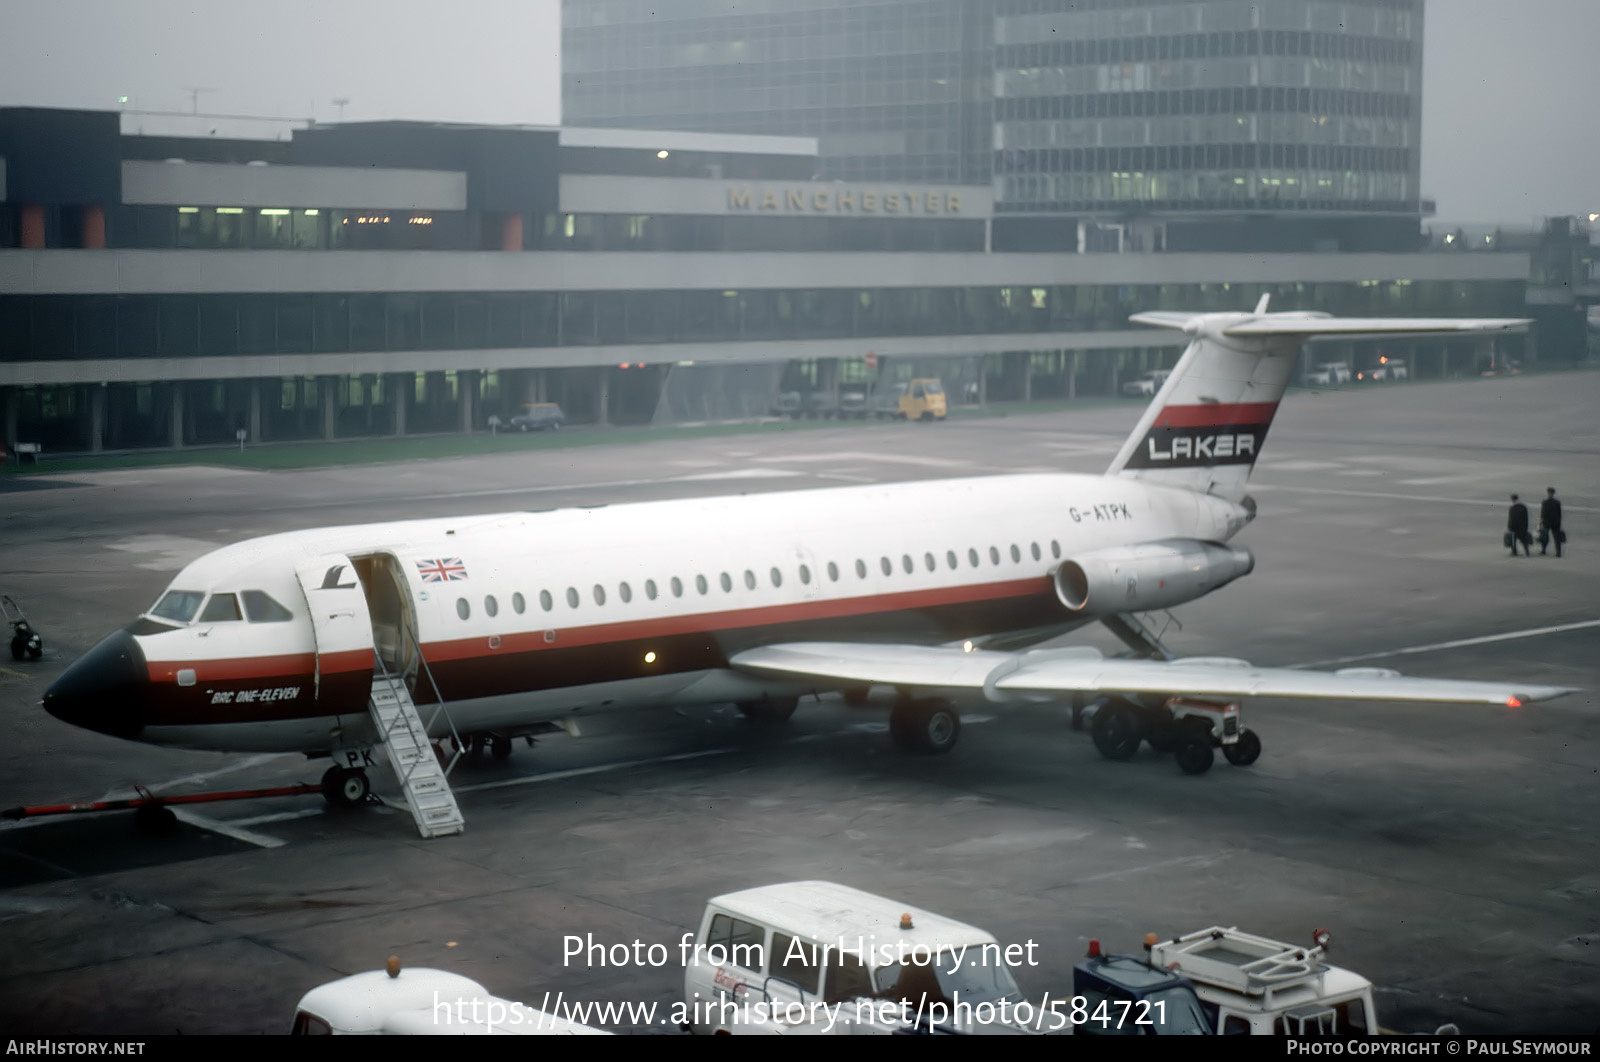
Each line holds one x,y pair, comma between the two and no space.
393,278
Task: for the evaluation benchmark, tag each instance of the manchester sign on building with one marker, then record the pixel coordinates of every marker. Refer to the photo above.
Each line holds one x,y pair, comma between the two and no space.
843,199
597,194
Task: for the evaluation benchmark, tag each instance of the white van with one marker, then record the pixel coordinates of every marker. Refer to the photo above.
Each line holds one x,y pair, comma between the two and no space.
816,957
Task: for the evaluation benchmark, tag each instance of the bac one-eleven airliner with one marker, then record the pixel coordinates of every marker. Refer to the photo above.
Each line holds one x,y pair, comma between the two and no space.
495,626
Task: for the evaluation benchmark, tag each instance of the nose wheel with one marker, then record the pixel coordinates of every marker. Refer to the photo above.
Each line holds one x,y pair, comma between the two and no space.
345,787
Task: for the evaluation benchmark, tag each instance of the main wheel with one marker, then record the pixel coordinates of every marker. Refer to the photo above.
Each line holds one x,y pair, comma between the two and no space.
344,787
1117,731
1245,751
500,746
930,726
770,712
1195,757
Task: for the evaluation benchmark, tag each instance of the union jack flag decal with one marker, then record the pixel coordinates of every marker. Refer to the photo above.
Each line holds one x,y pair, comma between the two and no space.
446,570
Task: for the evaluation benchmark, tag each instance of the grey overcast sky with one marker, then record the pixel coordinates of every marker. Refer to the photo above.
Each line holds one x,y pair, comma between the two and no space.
1509,94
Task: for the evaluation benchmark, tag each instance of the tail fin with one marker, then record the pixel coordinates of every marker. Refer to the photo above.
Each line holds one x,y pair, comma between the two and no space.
1204,428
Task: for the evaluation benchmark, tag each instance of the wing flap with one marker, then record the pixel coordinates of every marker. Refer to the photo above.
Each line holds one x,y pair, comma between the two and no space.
1086,671
1212,680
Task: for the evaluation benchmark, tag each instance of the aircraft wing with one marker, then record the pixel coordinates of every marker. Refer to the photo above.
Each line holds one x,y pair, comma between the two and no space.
1005,676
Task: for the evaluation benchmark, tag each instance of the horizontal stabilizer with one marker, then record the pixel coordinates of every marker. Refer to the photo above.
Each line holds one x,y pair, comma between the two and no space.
1165,319
1002,676
1314,325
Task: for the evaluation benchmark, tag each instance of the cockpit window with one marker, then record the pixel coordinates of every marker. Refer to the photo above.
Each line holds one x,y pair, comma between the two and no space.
262,609
220,609
179,606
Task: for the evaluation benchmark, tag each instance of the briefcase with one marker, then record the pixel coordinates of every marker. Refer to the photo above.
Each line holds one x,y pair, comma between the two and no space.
1508,540
1544,536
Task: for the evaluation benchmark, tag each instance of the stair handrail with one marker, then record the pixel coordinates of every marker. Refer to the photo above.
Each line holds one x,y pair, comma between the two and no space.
455,735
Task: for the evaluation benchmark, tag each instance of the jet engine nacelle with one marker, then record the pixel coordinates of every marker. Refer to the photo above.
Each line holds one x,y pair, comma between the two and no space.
1148,576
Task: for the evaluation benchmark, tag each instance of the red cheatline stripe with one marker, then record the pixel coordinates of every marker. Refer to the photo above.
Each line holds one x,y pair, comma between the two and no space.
300,664
567,638
1234,415
291,665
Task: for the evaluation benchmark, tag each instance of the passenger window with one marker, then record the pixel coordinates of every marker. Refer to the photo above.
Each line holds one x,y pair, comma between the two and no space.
950,559
861,569
847,980
677,587
727,583
650,589
546,602
599,594
1055,549
572,596
518,604
1035,547
733,940
833,572
700,583
220,609
972,557
907,563
625,592
491,606
178,605
777,578
805,575
927,559
888,568
749,579
1233,1025
261,608
1016,554
463,609
994,555
795,960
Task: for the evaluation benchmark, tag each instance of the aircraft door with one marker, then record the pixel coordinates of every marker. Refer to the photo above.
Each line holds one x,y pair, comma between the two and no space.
342,626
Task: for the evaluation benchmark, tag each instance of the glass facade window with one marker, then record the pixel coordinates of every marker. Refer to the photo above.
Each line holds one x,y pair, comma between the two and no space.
58,327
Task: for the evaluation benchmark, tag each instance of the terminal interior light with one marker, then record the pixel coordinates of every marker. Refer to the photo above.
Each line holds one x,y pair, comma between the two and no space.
661,154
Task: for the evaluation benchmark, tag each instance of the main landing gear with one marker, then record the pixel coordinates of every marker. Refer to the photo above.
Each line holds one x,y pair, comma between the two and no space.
927,725
496,744
1190,730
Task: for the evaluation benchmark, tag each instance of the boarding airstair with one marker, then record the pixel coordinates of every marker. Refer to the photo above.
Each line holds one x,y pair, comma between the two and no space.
422,778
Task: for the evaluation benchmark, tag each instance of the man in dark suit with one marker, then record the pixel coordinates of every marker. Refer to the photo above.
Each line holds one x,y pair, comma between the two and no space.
1517,528
1550,523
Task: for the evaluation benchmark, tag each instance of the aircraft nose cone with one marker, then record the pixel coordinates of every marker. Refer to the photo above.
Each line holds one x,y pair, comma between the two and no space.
104,689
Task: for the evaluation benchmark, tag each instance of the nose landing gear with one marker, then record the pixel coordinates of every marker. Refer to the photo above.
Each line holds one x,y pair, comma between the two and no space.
345,787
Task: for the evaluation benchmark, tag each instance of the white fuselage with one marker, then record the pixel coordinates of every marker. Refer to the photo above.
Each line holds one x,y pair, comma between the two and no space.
532,616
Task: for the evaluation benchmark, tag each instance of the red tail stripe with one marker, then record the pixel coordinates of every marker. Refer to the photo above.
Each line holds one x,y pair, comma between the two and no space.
1206,415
